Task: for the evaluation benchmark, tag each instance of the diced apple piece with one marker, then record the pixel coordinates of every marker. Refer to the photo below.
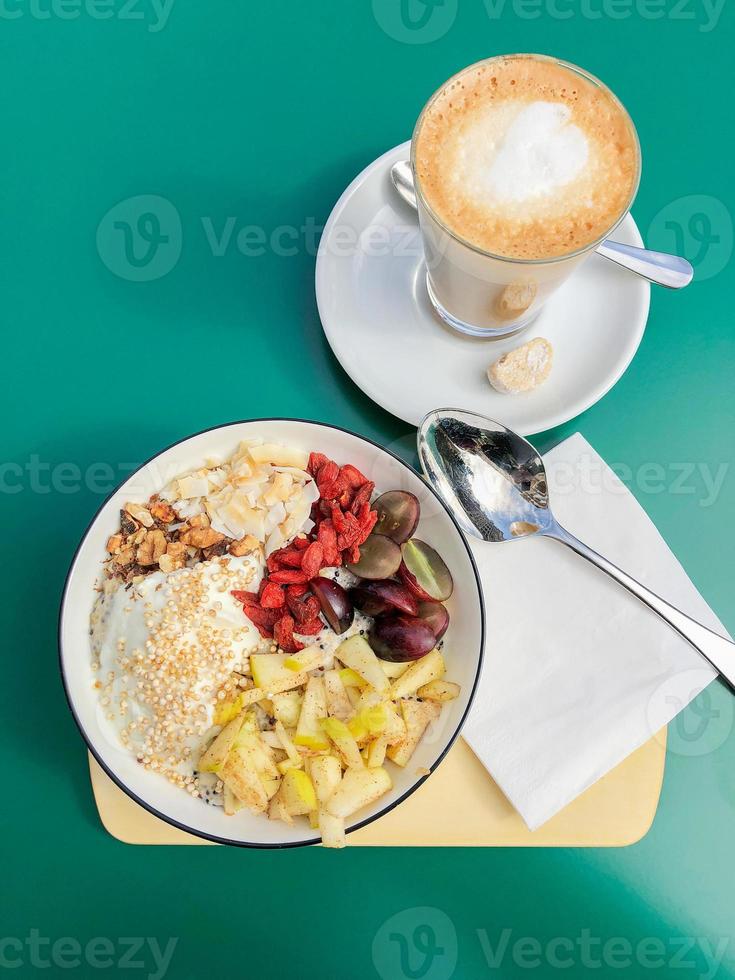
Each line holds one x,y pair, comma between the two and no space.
420,672
350,678
357,653
241,776
286,764
309,731
344,740
370,722
306,659
417,716
326,773
359,788
271,674
213,759
226,711
353,693
290,749
332,829
394,670
279,455
287,708
376,752
277,810
338,704
232,803
439,691
297,793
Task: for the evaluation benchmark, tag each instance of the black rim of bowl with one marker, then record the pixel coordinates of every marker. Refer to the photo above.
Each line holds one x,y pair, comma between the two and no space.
165,817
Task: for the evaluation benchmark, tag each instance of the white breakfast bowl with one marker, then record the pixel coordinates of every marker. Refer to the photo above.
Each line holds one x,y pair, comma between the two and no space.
463,644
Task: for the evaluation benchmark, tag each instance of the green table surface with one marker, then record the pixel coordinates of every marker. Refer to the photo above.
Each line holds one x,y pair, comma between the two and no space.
260,114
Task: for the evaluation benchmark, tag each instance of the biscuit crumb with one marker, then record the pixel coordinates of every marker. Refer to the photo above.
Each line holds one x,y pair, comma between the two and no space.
522,369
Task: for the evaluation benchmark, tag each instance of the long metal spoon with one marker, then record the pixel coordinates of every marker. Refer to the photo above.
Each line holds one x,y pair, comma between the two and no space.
661,268
494,483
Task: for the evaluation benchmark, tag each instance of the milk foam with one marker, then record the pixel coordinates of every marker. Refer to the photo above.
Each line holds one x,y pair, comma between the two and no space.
540,151
525,158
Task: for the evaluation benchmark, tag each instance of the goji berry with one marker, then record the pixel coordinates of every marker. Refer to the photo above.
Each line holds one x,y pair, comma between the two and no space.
290,557
310,628
288,576
327,472
273,596
297,589
260,616
303,609
316,461
339,520
313,558
362,496
353,476
283,635
301,544
353,554
241,596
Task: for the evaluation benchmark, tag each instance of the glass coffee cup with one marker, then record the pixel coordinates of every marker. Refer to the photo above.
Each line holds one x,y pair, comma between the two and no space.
490,270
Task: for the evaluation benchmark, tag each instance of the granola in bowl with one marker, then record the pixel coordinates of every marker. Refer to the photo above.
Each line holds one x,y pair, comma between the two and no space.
268,635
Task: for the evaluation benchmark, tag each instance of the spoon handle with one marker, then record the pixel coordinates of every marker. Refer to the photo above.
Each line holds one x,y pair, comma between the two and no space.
671,271
713,647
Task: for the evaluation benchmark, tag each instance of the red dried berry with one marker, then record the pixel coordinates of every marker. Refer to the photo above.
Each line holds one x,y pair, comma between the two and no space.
283,635
290,557
301,544
316,461
296,590
303,609
288,576
362,497
353,476
313,558
273,596
353,554
241,596
310,628
260,616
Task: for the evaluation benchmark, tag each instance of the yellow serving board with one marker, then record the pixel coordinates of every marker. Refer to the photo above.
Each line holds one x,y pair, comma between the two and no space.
459,806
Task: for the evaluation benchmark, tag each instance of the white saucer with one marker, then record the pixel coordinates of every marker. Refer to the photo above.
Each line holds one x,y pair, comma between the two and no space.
375,312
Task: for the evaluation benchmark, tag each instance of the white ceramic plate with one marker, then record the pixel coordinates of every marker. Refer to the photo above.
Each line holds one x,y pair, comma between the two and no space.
377,317
463,642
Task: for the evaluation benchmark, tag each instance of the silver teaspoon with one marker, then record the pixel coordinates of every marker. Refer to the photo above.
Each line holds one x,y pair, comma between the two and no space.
494,483
661,268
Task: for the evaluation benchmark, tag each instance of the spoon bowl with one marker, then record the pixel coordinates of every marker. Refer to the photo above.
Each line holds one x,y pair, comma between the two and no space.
494,482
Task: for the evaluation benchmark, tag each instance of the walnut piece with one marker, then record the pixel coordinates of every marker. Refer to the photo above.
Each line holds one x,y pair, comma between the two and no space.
114,543
150,550
201,537
126,557
163,512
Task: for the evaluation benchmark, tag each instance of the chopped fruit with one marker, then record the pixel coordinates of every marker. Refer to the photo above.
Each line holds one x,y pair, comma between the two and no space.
424,572
439,691
297,793
380,557
359,788
398,514
334,603
429,668
338,704
214,757
350,678
343,738
332,829
417,716
401,638
271,674
225,711
287,708
309,731
384,595
326,774
376,752
357,654
434,615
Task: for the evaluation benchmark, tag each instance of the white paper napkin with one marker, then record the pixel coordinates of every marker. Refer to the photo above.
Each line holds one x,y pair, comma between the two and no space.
578,673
